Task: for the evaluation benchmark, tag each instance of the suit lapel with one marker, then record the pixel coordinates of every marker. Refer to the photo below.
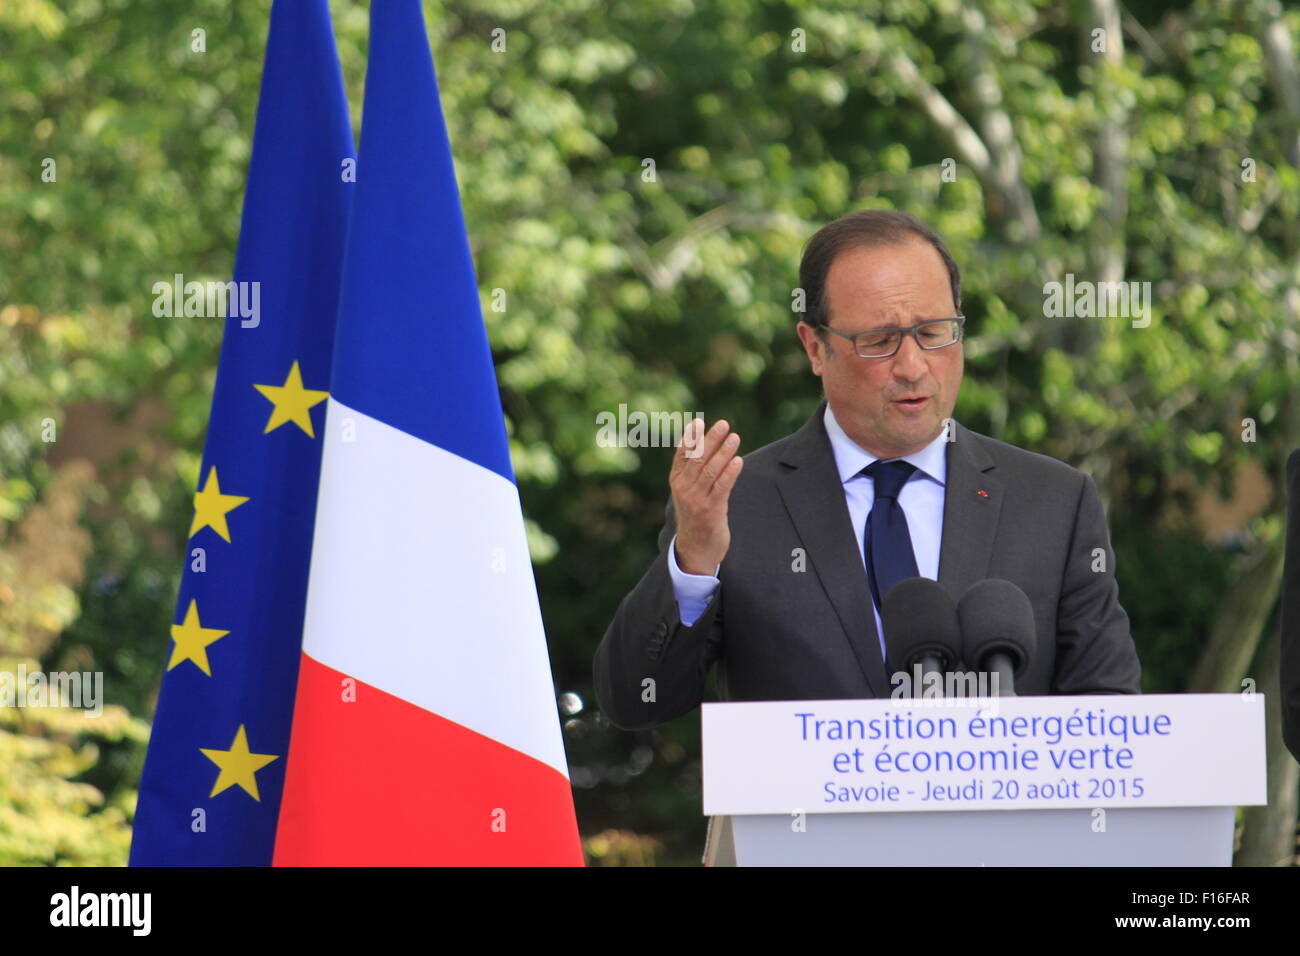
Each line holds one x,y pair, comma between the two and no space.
814,499
972,504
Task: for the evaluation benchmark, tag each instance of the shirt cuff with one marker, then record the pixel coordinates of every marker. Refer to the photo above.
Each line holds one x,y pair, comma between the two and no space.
692,591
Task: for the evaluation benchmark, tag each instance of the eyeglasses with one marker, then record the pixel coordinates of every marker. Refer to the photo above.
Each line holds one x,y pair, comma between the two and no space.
882,343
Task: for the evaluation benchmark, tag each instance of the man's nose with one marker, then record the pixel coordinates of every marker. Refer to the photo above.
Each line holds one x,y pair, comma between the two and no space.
909,360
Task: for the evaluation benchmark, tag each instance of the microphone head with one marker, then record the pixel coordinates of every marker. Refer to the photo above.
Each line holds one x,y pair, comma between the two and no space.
996,617
919,618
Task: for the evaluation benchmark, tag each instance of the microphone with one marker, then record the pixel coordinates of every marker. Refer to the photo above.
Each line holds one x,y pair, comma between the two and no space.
920,623
997,631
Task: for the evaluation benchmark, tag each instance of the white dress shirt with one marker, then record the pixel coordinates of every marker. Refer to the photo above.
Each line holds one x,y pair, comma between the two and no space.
921,500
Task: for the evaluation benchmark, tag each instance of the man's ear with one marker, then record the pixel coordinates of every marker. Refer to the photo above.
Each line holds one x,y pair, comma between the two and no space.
817,348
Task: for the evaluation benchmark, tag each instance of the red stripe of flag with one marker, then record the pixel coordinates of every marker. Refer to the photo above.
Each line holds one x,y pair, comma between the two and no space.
378,781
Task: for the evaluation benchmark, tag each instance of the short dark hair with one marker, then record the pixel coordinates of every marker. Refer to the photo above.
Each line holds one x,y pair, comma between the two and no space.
867,227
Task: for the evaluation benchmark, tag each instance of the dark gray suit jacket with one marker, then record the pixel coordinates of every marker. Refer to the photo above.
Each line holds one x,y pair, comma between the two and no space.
776,633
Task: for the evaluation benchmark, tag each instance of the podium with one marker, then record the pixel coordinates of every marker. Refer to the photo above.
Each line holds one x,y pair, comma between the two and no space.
1150,780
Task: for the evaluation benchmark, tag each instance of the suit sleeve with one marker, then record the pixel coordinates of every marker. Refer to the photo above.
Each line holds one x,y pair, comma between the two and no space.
649,667
1094,648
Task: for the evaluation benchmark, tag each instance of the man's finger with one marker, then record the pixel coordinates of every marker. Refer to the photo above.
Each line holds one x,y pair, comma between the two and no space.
690,441
727,480
709,443
692,462
717,462
720,462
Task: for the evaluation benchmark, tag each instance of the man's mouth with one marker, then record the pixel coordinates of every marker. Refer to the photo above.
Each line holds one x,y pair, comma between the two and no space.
916,401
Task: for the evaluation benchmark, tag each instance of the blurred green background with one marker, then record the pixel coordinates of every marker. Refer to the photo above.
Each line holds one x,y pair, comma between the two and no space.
640,178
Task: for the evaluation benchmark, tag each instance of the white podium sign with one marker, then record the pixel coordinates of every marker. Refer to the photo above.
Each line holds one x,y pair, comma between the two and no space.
1008,753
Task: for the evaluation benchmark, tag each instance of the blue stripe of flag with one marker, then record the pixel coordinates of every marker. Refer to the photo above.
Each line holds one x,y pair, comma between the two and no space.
412,349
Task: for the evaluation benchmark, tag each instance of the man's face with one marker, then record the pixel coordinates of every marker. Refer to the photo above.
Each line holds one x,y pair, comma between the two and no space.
876,287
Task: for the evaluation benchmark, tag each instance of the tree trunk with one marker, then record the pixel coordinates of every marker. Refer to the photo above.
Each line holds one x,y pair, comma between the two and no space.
1269,832
1235,634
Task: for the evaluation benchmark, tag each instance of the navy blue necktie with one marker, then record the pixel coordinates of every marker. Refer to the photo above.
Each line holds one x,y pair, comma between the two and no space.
888,546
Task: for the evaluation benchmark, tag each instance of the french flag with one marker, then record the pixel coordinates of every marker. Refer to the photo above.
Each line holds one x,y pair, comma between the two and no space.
424,726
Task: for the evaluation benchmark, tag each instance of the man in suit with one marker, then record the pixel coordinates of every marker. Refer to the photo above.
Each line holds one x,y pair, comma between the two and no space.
772,567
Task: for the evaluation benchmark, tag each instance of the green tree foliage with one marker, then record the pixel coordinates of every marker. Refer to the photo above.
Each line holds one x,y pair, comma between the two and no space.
50,811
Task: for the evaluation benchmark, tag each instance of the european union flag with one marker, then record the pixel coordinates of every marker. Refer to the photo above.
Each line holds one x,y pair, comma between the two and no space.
215,768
